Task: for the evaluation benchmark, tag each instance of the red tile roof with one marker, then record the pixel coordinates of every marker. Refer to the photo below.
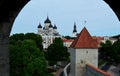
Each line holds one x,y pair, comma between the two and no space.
67,40
84,40
99,70
98,38
64,39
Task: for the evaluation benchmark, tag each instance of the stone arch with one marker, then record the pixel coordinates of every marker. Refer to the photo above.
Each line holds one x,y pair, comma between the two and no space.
9,11
114,5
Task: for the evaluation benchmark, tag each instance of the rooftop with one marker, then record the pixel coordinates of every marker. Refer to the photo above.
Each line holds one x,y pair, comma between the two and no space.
84,40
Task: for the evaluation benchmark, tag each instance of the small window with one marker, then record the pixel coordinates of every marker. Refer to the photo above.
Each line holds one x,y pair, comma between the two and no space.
82,61
86,51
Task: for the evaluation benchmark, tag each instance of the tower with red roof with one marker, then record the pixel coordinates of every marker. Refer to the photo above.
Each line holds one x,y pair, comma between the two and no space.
83,50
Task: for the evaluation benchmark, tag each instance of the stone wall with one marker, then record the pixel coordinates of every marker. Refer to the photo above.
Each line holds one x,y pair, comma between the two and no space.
83,57
94,71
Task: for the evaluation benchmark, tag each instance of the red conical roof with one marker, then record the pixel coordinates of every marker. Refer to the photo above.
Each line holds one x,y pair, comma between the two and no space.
84,40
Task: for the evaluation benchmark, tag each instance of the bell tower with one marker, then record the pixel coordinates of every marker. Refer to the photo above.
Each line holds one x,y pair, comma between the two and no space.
74,30
83,50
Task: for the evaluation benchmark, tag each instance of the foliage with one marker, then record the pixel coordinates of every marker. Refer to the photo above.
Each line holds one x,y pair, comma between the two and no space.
116,36
116,51
36,38
26,59
57,52
101,62
17,37
20,37
105,50
69,37
110,52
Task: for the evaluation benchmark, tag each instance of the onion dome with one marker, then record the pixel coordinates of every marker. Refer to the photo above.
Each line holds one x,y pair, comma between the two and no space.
47,20
43,28
50,26
55,27
39,26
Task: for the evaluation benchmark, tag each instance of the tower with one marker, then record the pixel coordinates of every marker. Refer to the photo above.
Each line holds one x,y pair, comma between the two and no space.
83,51
74,30
39,29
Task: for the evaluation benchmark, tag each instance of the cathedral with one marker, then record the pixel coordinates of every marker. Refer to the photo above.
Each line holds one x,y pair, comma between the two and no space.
48,32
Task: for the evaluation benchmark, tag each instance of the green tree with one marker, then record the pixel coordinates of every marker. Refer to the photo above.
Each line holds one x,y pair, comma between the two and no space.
26,59
37,38
57,52
69,37
105,51
17,37
110,52
116,51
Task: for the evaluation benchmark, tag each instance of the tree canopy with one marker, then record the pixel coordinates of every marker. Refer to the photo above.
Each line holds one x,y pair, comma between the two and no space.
57,52
20,37
69,37
105,50
26,59
110,52
116,51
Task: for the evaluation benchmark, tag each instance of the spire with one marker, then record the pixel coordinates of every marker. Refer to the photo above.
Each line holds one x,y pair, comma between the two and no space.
39,26
84,40
47,20
74,30
55,27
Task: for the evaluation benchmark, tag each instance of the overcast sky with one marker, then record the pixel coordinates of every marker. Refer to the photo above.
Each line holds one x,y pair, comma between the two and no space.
99,17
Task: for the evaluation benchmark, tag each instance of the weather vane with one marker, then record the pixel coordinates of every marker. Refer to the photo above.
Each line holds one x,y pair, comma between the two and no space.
85,22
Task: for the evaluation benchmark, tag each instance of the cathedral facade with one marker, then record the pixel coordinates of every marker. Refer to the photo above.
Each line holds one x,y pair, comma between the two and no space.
48,33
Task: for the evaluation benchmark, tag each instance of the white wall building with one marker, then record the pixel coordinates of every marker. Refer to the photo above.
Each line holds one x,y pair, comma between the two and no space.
83,50
110,39
48,33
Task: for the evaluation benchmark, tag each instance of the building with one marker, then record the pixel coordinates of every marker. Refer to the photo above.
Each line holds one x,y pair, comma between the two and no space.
84,56
103,39
48,32
109,38
83,50
67,42
74,30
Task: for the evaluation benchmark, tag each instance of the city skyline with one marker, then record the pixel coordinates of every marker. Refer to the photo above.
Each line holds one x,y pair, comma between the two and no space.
99,17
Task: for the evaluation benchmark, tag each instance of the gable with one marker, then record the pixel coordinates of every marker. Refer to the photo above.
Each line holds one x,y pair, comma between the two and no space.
84,40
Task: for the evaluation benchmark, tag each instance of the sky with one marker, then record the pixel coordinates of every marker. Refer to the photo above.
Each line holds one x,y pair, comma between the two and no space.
100,18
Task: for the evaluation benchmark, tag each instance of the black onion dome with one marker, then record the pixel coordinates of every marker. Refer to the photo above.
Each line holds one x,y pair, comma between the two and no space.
43,28
50,26
55,27
47,20
39,26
